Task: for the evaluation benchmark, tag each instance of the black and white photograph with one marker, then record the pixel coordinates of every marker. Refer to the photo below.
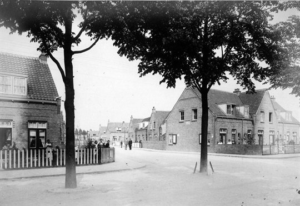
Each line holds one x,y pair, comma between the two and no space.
149,103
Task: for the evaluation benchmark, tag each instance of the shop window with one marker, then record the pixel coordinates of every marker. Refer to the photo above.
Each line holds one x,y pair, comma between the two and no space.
37,134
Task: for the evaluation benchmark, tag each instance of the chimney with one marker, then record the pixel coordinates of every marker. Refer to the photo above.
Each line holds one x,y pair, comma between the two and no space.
237,91
43,58
153,110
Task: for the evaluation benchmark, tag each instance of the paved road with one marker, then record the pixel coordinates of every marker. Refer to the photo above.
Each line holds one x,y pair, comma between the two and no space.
168,179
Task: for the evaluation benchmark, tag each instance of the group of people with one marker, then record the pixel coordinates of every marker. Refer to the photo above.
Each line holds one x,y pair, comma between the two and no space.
127,144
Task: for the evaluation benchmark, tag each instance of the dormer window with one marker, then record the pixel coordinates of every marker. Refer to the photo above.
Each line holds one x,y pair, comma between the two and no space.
288,116
13,84
230,109
118,129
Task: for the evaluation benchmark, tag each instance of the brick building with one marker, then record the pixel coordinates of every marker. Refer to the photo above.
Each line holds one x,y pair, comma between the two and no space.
141,131
154,131
239,123
29,103
133,127
117,131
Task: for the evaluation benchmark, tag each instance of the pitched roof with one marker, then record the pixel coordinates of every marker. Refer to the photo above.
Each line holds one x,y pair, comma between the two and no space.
279,108
136,121
160,116
146,119
217,97
40,84
111,126
253,100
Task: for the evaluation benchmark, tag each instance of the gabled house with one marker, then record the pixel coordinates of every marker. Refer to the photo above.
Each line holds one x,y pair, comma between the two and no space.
156,120
239,123
228,121
288,126
141,131
133,127
117,131
29,103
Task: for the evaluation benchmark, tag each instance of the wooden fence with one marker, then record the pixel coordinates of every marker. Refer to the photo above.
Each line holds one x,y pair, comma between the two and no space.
22,159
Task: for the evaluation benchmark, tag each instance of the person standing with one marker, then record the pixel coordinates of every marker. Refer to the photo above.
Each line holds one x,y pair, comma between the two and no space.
130,144
126,143
121,144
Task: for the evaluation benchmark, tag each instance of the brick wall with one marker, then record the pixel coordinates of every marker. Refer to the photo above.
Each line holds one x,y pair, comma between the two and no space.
159,145
239,149
21,113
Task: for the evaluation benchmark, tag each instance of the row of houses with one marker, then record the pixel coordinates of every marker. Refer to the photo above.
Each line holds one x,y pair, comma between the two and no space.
30,108
239,123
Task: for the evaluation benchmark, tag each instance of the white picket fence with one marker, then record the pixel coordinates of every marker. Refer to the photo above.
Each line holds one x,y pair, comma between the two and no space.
22,159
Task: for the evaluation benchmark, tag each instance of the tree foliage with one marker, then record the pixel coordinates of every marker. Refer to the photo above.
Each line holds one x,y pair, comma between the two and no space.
50,24
289,76
201,42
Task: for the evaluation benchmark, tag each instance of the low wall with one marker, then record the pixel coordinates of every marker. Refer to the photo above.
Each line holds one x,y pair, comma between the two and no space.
159,145
239,149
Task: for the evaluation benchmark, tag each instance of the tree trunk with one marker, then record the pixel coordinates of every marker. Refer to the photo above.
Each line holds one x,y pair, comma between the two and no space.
70,181
204,128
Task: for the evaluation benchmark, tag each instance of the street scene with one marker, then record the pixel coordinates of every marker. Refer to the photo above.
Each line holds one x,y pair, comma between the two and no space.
167,178
149,103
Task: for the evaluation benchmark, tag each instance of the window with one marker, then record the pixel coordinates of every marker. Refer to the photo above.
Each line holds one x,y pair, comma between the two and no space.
208,138
260,136
295,137
230,109
181,115
272,137
194,114
233,137
5,133
154,125
37,134
222,137
172,139
246,113
262,116
270,117
13,85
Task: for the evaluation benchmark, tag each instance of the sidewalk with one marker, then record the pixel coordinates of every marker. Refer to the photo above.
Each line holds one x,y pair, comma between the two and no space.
119,165
277,156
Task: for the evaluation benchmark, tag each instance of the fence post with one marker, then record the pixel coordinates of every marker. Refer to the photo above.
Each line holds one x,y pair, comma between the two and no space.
114,154
14,152
1,161
5,159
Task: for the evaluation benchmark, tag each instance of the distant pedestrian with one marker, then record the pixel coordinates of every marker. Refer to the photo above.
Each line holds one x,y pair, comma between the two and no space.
126,144
130,144
121,144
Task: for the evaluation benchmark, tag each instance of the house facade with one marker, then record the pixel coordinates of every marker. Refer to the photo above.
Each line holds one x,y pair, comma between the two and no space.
238,123
133,127
29,103
154,131
141,131
117,132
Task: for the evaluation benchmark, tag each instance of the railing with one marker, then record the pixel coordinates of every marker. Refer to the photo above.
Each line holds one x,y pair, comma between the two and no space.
22,159
281,149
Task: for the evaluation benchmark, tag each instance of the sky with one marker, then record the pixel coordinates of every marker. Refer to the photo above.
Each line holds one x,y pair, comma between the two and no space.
109,88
